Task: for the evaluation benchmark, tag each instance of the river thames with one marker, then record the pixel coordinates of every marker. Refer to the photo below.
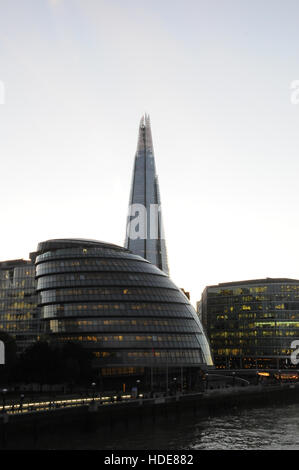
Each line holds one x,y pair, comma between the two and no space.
255,429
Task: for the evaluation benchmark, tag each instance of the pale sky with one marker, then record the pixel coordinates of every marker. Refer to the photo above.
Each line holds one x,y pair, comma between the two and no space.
215,77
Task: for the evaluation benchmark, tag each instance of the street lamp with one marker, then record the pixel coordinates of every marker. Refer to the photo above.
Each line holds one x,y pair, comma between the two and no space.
138,384
4,391
175,384
93,390
21,400
207,380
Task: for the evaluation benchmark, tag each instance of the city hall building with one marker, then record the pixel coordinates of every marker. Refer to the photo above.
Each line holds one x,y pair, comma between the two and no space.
124,309
251,324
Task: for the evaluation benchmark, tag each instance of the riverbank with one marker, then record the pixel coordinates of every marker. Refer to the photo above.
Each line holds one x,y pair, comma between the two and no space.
108,417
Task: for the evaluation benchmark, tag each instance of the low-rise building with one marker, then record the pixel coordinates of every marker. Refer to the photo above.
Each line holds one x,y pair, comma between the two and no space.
252,324
19,312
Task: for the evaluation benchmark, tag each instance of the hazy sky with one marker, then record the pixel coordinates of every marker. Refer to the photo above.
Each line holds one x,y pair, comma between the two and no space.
215,77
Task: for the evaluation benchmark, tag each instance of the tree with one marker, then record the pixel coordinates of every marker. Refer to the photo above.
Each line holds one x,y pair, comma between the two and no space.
77,363
40,363
49,363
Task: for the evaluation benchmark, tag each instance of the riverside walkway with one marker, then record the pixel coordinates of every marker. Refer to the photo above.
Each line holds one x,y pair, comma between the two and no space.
126,400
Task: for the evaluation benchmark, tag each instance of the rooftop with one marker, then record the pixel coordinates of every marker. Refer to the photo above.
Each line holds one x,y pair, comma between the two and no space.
60,243
14,263
267,280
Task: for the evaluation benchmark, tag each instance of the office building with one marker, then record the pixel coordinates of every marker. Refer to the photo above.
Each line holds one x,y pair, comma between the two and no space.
251,324
19,313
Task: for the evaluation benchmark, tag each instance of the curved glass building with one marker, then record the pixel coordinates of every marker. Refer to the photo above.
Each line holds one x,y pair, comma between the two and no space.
124,309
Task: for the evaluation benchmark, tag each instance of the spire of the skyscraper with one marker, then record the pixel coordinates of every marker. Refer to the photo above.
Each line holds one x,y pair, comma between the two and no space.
145,141
145,235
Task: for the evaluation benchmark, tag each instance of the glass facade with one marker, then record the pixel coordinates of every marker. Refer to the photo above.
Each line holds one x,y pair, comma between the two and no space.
252,324
146,238
117,304
19,313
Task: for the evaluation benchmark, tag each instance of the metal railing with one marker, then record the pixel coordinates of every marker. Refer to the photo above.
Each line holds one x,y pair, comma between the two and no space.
16,408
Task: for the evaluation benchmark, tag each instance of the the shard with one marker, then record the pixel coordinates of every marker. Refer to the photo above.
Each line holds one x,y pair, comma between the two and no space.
145,234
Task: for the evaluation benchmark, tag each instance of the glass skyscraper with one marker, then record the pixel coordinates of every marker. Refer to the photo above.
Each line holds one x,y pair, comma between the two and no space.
145,234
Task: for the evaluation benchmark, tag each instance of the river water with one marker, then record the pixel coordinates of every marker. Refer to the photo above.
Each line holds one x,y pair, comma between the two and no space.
263,428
